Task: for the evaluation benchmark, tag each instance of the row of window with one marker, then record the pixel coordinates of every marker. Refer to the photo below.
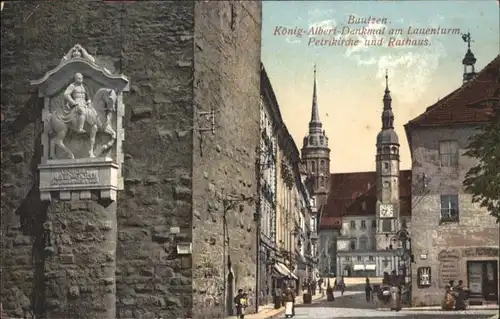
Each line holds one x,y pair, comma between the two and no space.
449,212
359,258
374,224
385,261
363,224
363,244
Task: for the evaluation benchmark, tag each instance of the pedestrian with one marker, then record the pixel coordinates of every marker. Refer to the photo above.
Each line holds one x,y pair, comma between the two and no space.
341,284
289,302
368,290
241,301
448,300
460,294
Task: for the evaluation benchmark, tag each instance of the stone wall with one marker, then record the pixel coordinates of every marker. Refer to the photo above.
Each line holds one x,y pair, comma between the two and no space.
224,162
157,56
174,180
475,229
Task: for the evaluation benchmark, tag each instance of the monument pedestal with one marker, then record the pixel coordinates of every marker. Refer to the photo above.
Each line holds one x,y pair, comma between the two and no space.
77,178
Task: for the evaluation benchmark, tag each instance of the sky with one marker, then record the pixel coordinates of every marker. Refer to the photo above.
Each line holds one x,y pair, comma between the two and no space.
350,79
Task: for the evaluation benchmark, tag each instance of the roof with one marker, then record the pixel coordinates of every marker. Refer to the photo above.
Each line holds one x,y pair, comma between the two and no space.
348,191
461,105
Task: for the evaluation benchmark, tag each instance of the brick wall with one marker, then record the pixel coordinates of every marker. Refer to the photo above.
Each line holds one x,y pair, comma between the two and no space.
172,176
475,229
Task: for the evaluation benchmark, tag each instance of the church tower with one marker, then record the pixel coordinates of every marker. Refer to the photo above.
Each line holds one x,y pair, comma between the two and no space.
387,163
316,154
468,61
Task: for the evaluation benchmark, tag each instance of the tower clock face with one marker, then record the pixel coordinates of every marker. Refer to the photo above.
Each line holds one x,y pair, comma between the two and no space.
386,211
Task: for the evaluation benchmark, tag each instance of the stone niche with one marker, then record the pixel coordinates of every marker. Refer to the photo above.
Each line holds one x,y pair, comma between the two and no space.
83,129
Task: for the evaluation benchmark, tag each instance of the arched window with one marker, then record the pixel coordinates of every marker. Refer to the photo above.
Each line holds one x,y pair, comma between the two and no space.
313,166
322,165
394,150
311,140
322,182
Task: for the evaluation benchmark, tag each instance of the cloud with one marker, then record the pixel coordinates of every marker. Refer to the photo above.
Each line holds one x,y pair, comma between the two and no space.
410,68
363,38
325,24
292,40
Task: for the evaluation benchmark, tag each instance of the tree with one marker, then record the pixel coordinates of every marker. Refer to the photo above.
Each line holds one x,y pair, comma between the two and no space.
483,180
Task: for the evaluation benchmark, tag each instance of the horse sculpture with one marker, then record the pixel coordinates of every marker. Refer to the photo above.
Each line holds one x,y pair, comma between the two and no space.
60,121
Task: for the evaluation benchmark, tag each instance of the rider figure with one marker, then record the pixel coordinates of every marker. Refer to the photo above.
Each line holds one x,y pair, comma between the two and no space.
76,97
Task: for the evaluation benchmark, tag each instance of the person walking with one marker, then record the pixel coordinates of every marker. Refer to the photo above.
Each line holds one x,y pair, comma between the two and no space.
289,303
368,290
448,300
460,293
341,285
241,301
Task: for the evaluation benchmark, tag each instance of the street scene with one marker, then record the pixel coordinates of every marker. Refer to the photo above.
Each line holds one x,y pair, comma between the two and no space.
352,305
250,159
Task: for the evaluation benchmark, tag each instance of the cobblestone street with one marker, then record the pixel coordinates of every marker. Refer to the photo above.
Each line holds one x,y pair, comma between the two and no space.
353,306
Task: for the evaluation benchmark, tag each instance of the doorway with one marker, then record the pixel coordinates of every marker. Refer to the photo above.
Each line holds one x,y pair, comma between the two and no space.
482,279
230,293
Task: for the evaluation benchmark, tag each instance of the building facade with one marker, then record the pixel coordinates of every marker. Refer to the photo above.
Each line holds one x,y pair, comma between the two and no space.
452,238
287,204
178,239
270,124
311,226
353,198
365,210
307,224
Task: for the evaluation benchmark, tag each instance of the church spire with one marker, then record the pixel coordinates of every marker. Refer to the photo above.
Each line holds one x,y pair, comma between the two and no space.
387,115
315,123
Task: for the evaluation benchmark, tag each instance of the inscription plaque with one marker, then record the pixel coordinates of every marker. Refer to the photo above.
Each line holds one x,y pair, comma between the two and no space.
480,252
75,176
449,267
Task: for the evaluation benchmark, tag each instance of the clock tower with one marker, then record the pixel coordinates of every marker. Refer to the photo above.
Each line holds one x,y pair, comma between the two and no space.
387,163
316,153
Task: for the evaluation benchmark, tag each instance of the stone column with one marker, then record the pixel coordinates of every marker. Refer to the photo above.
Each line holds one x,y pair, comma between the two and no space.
80,260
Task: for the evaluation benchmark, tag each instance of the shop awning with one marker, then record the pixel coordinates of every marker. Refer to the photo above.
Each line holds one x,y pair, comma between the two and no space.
359,267
283,270
371,267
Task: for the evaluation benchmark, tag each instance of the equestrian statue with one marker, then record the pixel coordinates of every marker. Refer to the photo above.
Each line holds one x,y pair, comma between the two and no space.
79,114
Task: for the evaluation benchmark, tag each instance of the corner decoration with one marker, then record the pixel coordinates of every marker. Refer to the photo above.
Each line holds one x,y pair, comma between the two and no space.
83,129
